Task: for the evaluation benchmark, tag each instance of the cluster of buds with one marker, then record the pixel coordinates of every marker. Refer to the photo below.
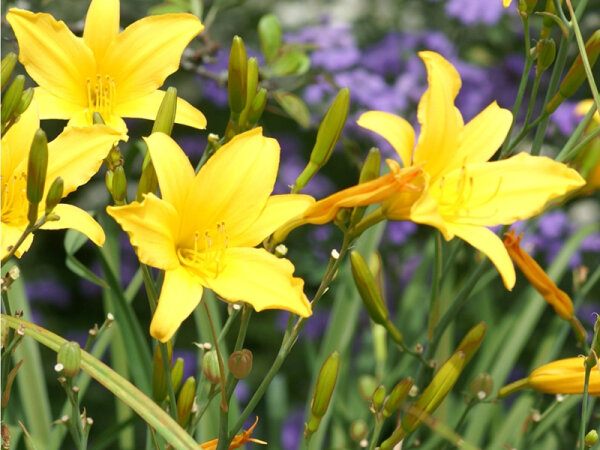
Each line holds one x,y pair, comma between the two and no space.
15,99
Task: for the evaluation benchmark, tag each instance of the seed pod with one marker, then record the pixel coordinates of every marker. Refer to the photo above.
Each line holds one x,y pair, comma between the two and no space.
546,52
481,386
69,355
240,363
210,366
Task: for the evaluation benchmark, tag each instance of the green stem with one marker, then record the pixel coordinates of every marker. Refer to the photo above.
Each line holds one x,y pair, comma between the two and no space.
534,89
434,300
376,433
6,303
150,287
566,153
167,369
584,404
228,323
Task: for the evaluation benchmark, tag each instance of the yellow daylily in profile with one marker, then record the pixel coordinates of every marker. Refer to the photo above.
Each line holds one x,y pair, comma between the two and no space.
114,74
75,156
463,193
563,376
203,230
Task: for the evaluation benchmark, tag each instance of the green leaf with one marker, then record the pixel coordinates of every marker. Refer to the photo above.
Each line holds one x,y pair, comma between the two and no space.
119,386
294,107
293,62
269,32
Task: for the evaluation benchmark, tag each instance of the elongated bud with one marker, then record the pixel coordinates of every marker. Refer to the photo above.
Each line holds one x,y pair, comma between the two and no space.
165,118
8,65
238,76
210,366
55,194
595,347
591,439
472,341
251,86
576,74
69,355
24,101
378,398
367,287
481,386
369,171
397,396
12,97
269,32
177,373
257,107
148,181
327,136
119,186
323,391
185,401
546,52
37,166
159,381
240,363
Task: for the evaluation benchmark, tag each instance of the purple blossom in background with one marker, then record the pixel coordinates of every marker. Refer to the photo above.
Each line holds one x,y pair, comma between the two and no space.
48,291
242,393
398,232
564,118
291,431
470,12
189,361
313,329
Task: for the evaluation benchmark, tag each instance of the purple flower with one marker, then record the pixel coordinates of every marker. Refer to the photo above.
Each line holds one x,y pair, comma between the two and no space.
398,232
189,361
471,12
564,118
291,431
49,291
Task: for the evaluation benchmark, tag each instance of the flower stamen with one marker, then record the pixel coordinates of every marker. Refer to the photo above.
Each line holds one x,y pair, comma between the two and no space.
207,256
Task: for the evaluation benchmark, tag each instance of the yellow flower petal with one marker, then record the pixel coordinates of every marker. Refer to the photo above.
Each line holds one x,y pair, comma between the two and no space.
53,107
564,376
394,129
54,57
257,277
101,26
279,210
16,142
146,52
10,234
77,219
489,244
152,228
180,294
233,186
502,192
440,120
146,107
77,154
506,3
173,169
84,119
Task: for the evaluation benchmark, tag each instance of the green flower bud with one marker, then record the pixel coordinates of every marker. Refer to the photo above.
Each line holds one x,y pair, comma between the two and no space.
69,355
358,430
240,363
251,86
595,347
159,381
37,166
526,7
323,391
368,290
269,32
210,366
591,438
481,386
8,65
177,373
12,97
397,396
55,194
366,386
185,401
327,136
165,118
148,181
24,101
377,398
257,107
576,74
238,77
119,186
546,52
472,341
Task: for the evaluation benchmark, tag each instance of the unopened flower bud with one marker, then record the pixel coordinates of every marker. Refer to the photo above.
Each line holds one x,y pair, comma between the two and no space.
269,32
546,52
24,101
323,391
327,136
12,97
37,167
177,373
378,398
472,341
576,74
367,287
165,118
358,430
185,401
238,76
8,65
257,107
159,381
548,20
69,355
397,396
526,7
210,366
481,386
55,194
240,363
591,438
251,86
119,185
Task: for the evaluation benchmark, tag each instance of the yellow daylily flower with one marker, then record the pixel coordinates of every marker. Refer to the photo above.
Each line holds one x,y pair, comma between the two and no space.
564,376
506,3
584,106
75,155
204,229
114,74
238,440
463,193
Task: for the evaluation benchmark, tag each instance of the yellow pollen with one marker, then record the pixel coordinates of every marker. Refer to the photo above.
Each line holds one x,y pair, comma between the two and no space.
207,256
101,93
